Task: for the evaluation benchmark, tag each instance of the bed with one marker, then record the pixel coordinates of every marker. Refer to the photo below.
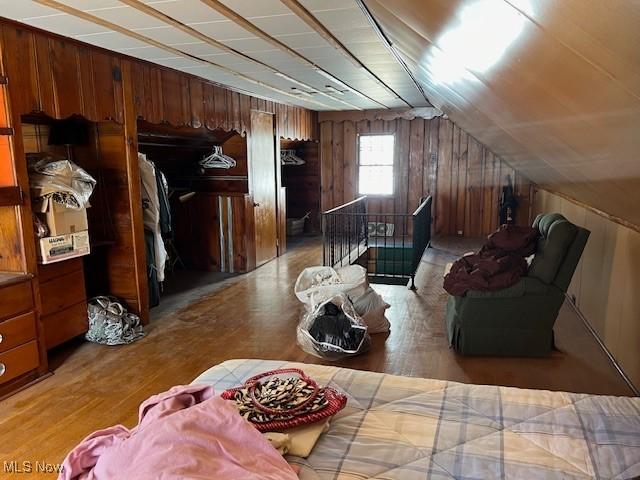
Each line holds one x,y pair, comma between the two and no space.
412,428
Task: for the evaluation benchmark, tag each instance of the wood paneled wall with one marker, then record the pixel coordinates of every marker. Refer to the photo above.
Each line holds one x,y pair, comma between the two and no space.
432,157
607,280
60,77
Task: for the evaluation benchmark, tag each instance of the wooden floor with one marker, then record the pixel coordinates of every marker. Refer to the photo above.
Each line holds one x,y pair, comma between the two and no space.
255,316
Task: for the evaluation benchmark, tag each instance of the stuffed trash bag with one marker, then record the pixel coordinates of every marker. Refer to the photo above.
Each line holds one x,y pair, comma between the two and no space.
372,308
316,284
333,330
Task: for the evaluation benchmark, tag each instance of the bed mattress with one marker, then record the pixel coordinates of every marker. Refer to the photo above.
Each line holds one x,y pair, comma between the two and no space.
412,428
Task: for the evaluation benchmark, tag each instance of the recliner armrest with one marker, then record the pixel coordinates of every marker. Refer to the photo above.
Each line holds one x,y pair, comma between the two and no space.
524,286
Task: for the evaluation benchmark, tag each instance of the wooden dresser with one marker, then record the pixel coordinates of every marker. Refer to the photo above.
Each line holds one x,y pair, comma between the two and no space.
19,354
63,301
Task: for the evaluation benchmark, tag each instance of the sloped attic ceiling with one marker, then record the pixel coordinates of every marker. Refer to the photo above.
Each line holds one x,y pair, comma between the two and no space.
552,86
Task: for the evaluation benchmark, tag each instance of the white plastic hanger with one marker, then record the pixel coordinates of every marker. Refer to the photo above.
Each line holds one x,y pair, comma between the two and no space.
289,157
217,159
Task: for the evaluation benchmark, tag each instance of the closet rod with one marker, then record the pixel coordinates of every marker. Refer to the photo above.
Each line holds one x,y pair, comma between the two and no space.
232,178
203,146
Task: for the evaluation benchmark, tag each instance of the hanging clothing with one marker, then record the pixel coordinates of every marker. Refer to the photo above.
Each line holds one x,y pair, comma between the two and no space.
185,432
151,211
163,203
152,274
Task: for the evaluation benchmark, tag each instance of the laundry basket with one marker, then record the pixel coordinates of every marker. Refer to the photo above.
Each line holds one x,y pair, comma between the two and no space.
295,226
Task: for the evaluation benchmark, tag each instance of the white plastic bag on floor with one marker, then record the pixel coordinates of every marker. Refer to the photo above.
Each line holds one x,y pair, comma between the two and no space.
333,330
316,284
372,307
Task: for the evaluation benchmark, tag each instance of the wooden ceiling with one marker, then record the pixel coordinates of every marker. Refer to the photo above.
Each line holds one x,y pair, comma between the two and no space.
553,86
319,54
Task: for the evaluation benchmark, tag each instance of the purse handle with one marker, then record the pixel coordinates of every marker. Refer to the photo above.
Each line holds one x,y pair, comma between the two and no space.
253,382
109,304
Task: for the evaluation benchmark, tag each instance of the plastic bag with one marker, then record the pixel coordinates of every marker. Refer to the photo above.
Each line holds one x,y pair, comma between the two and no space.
371,307
62,180
333,330
316,284
110,323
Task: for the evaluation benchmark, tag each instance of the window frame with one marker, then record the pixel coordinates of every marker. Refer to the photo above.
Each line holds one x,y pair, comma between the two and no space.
393,164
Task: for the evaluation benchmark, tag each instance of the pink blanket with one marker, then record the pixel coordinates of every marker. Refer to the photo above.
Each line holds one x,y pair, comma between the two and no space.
184,433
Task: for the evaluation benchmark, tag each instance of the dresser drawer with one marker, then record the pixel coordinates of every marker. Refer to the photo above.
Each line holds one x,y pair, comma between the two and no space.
65,324
16,331
53,270
62,292
15,299
19,360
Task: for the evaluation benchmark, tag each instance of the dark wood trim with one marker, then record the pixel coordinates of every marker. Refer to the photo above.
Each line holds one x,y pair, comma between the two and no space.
135,197
10,196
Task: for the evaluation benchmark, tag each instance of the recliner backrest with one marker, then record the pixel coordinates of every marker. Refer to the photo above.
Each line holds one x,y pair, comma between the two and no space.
571,259
558,251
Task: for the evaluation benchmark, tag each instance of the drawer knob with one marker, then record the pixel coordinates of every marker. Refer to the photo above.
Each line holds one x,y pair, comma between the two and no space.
3,368
1,338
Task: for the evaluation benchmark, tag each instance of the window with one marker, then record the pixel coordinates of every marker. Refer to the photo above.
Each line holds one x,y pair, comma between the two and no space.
375,164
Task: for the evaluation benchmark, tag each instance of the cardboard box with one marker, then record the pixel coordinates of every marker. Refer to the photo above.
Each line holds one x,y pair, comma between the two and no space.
62,247
62,220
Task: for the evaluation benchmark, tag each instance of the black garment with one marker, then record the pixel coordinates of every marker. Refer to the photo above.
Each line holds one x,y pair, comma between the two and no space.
69,131
152,273
163,203
334,327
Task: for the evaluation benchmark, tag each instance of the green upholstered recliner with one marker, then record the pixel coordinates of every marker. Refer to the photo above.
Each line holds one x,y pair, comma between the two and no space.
518,320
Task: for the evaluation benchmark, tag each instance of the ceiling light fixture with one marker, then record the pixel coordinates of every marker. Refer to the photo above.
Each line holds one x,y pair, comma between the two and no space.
297,91
335,80
290,79
334,90
310,88
342,84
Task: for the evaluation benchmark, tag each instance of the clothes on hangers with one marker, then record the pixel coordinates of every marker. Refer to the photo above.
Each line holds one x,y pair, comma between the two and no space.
151,211
217,159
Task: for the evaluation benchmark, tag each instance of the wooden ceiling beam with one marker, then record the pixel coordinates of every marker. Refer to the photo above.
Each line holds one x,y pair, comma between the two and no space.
150,41
239,20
